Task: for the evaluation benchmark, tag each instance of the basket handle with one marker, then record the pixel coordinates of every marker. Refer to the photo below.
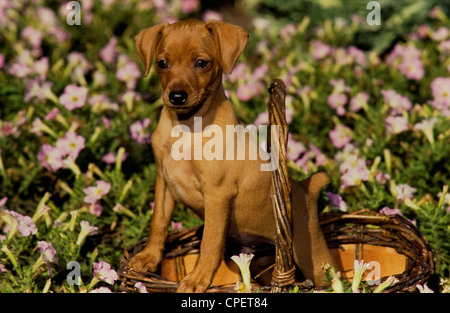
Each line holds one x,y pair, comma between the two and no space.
283,274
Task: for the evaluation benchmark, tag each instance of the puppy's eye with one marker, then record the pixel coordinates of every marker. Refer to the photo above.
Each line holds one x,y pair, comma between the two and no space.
162,64
201,63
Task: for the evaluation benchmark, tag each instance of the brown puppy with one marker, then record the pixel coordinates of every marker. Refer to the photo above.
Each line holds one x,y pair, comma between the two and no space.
231,195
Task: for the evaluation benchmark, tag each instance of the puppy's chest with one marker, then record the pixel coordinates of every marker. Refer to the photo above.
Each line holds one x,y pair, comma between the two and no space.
183,181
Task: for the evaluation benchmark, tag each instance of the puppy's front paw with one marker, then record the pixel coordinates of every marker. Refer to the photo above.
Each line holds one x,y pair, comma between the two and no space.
145,261
196,281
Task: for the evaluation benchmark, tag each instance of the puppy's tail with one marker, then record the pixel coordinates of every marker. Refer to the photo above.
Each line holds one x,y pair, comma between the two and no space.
313,185
309,244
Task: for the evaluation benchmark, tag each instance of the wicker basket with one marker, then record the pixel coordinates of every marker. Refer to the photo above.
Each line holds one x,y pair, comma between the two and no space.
392,241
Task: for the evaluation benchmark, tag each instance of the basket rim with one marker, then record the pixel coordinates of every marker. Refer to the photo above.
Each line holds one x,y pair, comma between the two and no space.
416,272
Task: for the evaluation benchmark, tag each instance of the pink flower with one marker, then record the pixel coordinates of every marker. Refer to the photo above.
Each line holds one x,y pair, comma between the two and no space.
139,131
358,55
101,290
405,191
359,101
441,93
141,287
40,67
396,124
288,31
48,254
95,193
108,53
211,15
294,148
289,115
340,136
389,211
111,158
2,61
412,68
443,47
239,72
354,177
25,225
321,159
397,102
262,119
33,36
341,56
50,157
336,202
78,60
9,129
52,114
189,6
410,52
71,144
422,31
101,102
319,50
339,86
304,161
95,209
246,91
260,72
39,90
37,126
103,271
176,225
354,171
440,34
382,178
407,58
338,101
350,162
19,69
73,97
129,73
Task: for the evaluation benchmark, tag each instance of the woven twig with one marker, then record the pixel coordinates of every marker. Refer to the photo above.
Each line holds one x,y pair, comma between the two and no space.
369,227
359,228
283,274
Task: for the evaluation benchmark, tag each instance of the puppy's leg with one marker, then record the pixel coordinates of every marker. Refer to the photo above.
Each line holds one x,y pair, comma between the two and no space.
149,258
309,245
211,250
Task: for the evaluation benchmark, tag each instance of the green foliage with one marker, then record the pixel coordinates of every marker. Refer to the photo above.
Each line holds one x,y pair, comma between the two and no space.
283,43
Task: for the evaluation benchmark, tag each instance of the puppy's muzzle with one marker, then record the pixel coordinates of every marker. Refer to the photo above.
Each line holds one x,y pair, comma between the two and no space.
178,97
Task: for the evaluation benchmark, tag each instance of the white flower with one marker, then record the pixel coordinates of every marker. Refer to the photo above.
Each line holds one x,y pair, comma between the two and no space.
336,283
426,126
391,280
243,261
359,268
140,286
101,290
424,289
86,230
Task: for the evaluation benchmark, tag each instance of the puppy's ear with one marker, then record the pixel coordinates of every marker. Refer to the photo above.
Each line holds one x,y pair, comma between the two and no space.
230,39
146,42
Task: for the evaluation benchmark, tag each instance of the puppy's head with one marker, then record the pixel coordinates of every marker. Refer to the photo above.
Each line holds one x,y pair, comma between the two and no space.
190,58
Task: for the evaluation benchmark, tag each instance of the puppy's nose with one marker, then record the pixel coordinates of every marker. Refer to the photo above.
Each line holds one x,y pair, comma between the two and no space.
178,97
